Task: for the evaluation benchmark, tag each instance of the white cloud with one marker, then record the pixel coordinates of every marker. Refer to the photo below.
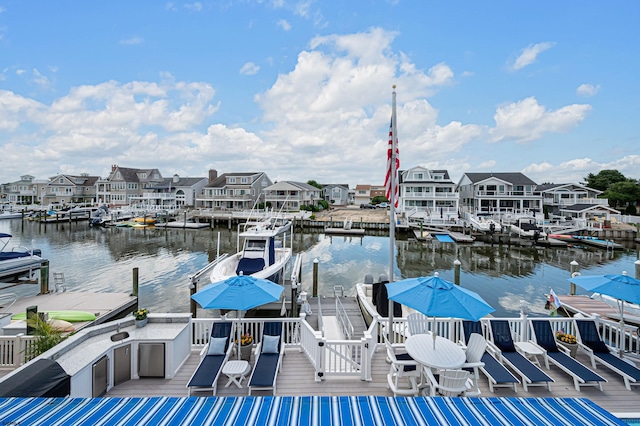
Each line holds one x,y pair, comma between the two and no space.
284,24
41,80
132,41
526,120
529,55
193,7
249,69
587,90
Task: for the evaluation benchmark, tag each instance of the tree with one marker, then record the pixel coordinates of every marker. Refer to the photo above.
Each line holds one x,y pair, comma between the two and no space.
604,179
622,193
314,183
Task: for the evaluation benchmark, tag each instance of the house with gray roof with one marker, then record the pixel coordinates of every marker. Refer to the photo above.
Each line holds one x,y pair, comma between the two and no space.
556,197
427,194
171,193
498,193
70,189
123,183
338,194
233,191
290,195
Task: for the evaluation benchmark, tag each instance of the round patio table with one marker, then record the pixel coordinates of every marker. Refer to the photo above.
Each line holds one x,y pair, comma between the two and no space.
445,356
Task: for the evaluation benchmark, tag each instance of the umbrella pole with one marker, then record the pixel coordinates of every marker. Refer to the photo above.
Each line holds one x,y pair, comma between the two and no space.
239,333
433,332
621,336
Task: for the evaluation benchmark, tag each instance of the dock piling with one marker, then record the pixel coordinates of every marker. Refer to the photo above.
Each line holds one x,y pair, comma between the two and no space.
315,277
574,267
44,278
135,282
456,271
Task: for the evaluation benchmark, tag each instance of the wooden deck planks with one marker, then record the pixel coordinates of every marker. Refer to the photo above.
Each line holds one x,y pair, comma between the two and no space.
297,379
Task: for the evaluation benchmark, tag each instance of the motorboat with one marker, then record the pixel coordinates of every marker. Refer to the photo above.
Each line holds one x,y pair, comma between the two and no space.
264,250
527,227
18,261
484,224
10,215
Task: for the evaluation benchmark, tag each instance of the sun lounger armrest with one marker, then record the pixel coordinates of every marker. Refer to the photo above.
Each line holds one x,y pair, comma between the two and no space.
585,348
478,364
204,351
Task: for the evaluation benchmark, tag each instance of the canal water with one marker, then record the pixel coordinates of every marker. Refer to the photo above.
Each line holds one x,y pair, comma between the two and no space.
102,260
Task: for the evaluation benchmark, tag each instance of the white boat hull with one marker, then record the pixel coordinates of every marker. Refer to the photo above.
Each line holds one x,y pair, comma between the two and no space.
228,266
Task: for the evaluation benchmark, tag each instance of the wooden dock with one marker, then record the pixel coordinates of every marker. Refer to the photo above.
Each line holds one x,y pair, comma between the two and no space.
587,306
106,306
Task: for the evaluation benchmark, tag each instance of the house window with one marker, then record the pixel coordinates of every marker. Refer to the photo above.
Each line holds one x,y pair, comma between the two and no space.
244,180
232,180
418,176
143,175
61,180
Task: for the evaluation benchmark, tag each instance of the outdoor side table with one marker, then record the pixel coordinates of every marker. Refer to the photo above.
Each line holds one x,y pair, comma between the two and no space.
530,351
236,371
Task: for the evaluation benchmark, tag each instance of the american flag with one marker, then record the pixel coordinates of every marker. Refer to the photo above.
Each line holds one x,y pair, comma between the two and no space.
387,181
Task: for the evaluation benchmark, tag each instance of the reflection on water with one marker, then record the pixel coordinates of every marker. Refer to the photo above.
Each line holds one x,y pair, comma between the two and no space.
102,260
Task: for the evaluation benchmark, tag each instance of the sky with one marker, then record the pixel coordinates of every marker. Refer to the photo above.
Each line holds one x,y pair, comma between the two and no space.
302,89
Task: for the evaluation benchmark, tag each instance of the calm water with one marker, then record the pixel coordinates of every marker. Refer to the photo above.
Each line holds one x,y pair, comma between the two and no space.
102,260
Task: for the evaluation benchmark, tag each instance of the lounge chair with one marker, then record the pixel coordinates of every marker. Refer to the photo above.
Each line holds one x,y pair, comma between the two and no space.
545,338
529,373
212,358
269,358
497,374
589,340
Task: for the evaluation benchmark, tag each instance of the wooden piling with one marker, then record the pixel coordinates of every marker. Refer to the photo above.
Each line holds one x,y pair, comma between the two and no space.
315,278
44,278
574,267
135,282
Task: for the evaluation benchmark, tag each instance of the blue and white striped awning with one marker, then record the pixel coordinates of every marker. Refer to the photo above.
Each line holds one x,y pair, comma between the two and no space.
305,410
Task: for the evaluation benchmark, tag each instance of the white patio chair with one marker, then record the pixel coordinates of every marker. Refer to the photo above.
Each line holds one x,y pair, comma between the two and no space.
418,323
449,382
474,352
402,367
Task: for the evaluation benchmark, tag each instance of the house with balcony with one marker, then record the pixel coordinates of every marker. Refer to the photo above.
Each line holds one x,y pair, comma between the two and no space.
427,194
498,194
289,195
125,183
233,191
556,197
65,189
25,191
338,194
172,193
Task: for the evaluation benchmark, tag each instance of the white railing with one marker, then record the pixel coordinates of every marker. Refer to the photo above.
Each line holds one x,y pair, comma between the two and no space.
343,319
13,350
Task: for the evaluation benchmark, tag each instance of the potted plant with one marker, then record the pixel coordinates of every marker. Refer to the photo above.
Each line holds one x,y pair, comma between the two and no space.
246,343
569,341
141,316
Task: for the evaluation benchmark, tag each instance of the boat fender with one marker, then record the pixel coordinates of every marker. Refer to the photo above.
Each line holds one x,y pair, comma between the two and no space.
306,308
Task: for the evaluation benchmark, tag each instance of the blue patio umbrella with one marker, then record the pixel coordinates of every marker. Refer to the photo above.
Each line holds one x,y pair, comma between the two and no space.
436,297
620,286
241,293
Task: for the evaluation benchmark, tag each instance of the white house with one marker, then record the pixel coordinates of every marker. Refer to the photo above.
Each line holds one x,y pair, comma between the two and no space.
427,194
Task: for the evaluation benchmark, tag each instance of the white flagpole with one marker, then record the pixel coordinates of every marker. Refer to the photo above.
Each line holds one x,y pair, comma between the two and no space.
392,201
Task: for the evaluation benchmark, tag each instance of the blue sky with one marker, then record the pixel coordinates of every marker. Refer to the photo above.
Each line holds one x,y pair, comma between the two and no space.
302,89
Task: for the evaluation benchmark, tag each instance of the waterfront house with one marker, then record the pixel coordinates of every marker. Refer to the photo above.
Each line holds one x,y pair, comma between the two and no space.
124,183
23,191
69,189
427,194
337,194
289,195
171,193
556,197
498,193
362,194
233,191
